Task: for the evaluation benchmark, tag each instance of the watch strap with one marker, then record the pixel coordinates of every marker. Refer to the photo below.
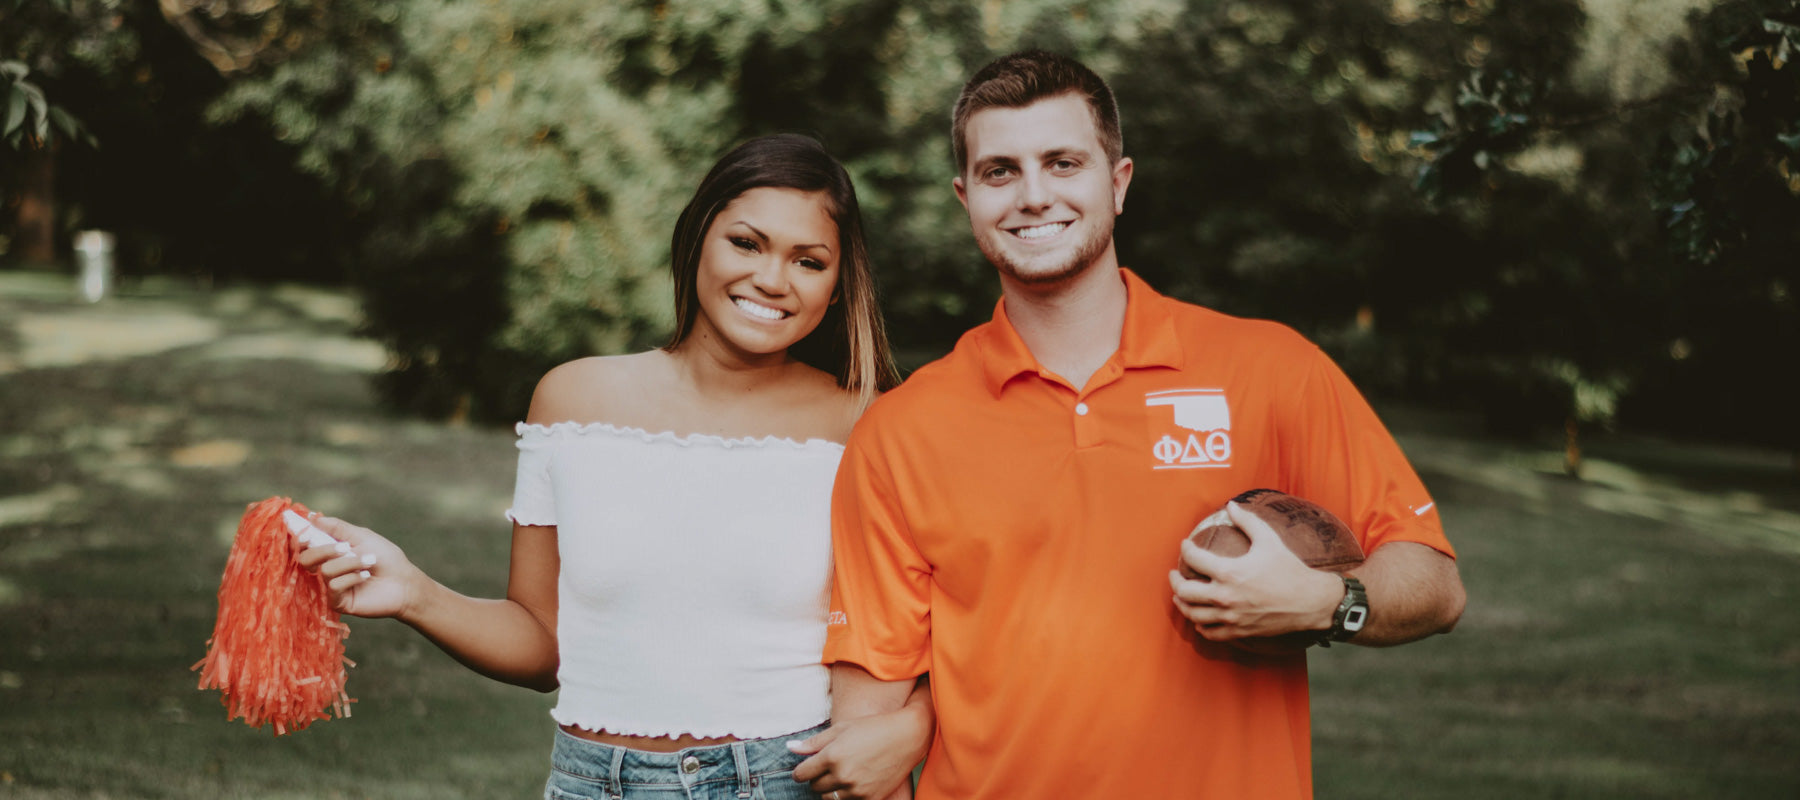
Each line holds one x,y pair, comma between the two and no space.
1351,614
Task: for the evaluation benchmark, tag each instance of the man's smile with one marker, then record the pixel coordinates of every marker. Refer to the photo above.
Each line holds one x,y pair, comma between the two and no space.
1036,232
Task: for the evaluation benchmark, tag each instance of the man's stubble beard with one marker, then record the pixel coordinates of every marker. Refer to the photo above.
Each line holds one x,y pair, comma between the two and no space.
1084,256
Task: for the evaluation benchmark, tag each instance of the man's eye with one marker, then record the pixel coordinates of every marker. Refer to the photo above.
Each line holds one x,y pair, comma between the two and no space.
1064,165
998,174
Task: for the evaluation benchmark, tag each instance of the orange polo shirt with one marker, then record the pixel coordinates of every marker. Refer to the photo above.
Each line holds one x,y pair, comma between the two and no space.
1012,535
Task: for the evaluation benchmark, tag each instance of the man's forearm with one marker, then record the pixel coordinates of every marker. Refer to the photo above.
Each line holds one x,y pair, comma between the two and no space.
1414,592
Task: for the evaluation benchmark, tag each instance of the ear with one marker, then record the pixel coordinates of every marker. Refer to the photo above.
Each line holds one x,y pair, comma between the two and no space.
962,192
1121,179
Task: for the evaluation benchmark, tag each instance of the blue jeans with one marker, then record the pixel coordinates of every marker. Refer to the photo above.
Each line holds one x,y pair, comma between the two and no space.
754,769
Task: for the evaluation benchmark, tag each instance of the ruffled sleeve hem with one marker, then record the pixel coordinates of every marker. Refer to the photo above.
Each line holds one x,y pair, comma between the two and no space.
529,431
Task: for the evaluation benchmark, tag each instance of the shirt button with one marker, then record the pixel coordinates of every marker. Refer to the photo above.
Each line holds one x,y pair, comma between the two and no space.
690,765
1081,409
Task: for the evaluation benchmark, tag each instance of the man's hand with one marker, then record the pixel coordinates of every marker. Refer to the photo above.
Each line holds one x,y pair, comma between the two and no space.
1264,592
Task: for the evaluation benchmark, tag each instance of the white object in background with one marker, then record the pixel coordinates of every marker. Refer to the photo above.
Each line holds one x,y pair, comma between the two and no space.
94,255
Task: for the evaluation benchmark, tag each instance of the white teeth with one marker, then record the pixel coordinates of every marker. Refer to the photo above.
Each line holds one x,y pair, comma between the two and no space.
1041,231
758,310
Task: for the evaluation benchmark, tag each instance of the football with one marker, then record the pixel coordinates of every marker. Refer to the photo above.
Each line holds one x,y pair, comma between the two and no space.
1316,535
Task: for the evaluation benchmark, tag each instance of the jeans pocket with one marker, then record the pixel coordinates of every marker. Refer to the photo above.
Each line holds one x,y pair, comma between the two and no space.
564,786
782,786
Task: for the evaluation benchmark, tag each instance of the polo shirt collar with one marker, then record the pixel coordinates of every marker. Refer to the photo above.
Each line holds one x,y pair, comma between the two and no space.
1148,339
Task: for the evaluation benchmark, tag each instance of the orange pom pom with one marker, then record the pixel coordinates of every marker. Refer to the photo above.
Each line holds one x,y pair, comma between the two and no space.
277,650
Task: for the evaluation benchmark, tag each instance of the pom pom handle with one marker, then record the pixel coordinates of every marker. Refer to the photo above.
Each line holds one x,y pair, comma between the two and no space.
302,527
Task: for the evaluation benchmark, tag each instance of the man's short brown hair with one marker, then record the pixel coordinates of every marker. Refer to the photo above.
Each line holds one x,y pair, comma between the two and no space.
1025,77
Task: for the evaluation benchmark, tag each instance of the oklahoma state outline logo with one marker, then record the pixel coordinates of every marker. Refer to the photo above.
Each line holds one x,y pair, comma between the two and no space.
1196,435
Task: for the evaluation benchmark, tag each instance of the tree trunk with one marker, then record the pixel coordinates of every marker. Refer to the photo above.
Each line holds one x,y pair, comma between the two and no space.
36,243
1572,447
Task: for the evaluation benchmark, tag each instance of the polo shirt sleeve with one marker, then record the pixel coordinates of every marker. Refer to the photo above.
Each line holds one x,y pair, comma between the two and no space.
881,587
1337,453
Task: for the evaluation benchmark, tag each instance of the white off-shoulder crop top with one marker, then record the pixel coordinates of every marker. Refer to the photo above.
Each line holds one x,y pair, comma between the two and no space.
695,577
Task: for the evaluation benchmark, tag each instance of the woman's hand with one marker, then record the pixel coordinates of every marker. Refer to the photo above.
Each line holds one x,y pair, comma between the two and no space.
366,575
866,758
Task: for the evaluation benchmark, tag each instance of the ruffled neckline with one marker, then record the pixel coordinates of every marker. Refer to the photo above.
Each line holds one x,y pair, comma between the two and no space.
578,429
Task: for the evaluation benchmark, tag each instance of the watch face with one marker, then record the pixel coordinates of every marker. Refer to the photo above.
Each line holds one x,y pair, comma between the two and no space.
1355,617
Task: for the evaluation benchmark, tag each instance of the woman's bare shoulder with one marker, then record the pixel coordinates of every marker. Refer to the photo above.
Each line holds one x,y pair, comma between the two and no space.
831,408
592,389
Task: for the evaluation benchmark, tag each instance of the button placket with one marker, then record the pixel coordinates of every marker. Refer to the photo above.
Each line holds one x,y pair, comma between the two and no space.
1086,425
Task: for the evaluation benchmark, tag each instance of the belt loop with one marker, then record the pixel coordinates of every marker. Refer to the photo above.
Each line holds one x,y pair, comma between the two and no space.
614,782
742,760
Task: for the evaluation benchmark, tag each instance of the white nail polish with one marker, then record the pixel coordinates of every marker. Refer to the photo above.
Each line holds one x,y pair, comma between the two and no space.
369,560
343,548
364,574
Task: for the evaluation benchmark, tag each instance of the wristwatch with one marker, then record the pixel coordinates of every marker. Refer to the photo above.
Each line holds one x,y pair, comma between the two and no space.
1352,613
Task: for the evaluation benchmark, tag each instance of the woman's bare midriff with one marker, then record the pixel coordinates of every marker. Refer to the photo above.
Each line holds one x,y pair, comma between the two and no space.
654,744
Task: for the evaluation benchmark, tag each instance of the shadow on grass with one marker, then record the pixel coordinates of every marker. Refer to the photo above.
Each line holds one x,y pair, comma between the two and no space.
132,435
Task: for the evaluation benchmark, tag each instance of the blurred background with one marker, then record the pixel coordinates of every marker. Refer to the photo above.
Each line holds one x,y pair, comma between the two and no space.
325,249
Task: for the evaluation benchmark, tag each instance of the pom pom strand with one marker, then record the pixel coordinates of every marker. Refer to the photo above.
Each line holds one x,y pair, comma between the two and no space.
277,650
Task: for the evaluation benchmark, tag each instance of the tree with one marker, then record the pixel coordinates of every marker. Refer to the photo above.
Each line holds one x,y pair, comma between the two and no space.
31,125
1692,182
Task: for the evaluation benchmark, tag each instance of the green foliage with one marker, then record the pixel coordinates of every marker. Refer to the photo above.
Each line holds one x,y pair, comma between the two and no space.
1485,119
216,201
26,116
1451,195
1680,306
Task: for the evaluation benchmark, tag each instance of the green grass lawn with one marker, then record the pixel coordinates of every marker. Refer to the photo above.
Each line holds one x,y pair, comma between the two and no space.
1633,635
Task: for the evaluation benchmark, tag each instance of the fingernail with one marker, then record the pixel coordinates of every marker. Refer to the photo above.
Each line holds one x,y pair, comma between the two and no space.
343,547
793,746
363,574
369,560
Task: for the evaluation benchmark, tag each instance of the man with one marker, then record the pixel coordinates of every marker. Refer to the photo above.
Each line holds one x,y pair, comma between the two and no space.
1007,519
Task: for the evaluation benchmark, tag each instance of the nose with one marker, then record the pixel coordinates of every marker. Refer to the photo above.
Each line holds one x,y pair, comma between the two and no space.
768,276
1034,191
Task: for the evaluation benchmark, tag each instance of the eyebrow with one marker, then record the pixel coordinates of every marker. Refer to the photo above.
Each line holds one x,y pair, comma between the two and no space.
1061,152
764,238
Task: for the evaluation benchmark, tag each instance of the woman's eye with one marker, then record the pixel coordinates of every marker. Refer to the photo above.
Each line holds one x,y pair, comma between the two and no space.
812,264
743,244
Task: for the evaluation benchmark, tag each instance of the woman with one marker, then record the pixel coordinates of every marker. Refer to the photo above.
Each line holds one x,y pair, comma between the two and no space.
671,553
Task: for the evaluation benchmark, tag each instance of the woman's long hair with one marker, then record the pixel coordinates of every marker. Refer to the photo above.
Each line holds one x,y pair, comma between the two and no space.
850,342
